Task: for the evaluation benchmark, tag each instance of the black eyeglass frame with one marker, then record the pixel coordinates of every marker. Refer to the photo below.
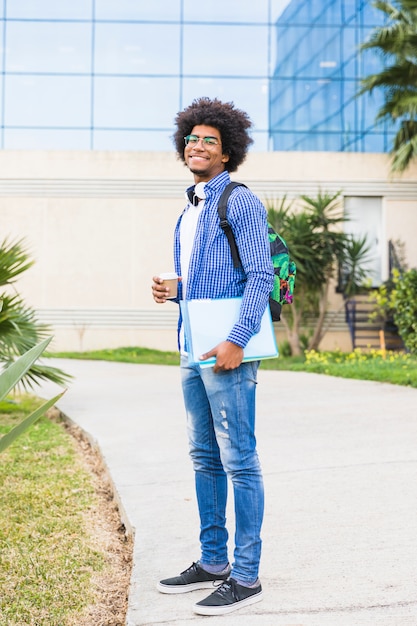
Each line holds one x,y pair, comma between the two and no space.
208,141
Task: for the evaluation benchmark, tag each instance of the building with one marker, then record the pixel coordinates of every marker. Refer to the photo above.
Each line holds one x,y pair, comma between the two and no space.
87,173
315,83
106,75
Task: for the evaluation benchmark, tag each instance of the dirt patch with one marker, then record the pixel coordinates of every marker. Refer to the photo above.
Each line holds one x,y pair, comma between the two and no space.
108,535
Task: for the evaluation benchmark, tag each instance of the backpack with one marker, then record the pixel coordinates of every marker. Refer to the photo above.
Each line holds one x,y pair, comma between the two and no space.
284,269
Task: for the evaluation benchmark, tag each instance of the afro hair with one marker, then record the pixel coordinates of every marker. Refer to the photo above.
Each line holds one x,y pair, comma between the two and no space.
232,123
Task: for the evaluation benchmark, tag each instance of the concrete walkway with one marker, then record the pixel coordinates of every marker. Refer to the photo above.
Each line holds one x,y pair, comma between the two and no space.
340,467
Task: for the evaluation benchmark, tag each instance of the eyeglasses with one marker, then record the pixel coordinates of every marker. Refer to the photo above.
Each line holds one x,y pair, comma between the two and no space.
207,141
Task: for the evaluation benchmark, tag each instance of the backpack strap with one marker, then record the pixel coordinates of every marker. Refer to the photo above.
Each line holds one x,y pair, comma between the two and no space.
224,224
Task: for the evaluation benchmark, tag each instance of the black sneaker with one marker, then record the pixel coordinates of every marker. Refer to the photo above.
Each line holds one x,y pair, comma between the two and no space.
195,577
229,597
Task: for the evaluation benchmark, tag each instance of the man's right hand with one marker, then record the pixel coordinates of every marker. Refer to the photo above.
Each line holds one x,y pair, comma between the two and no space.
160,293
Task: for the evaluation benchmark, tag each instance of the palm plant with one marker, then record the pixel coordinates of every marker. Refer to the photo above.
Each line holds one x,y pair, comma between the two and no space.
318,246
397,43
9,378
353,272
19,328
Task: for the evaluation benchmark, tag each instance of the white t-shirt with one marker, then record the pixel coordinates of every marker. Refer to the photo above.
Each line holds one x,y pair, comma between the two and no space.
187,235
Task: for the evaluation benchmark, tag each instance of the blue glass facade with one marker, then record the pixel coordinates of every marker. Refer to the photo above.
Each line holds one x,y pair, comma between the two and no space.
107,75
317,76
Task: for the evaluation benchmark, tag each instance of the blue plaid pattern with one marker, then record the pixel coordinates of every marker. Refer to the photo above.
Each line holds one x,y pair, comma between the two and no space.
211,272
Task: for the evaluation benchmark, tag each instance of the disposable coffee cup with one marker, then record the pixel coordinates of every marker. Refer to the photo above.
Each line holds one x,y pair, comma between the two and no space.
170,280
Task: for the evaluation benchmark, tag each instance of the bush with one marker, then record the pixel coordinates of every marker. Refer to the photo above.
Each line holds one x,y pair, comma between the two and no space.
19,328
404,305
9,378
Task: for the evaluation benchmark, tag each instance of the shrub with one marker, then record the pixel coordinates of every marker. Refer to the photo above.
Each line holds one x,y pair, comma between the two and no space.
404,304
9,378
19,328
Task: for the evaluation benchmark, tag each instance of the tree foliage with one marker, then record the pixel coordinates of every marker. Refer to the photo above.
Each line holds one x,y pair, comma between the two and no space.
396,300
319,246
396,42
404,305
19,328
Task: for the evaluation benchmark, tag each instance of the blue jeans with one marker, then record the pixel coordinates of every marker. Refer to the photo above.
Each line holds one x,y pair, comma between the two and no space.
221,430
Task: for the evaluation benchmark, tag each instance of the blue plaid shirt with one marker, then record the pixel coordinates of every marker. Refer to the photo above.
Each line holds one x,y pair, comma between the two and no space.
211,273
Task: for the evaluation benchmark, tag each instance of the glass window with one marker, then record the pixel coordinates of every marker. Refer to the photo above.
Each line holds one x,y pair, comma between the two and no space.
332,13
44,139
50,9
350,143
371,16
251,95
277,8
281,141
230,11
53,101
389,141
350,68
48,47
291,50
123,103
296,11
328,61
392,126
243,50
371,103
319,108
302,71
312,52
348,10
138,140
331,123
350,91
350,117
164,10
350,53
296,140
373,142
285,99
370,63
137,48
319,142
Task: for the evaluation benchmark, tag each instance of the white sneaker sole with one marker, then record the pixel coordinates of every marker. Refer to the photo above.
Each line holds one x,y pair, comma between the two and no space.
209,584
227,608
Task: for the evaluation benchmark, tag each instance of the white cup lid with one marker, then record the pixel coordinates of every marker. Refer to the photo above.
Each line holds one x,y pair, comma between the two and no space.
168,275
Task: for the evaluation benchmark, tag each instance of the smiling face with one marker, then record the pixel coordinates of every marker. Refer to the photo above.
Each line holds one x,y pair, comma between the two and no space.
203,160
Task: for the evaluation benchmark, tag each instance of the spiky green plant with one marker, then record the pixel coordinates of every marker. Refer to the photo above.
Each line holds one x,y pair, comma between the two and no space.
9,378
19,328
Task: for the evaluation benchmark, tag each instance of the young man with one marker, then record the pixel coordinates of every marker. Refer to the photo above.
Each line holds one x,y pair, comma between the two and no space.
212,140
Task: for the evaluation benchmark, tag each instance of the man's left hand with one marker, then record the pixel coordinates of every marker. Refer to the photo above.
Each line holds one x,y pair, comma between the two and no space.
228,356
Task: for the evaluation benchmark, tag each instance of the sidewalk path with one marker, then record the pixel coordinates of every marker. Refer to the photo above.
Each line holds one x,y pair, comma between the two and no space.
340,468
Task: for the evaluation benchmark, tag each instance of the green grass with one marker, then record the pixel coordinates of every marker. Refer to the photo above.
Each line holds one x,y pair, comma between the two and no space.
392,367
125,355
46,555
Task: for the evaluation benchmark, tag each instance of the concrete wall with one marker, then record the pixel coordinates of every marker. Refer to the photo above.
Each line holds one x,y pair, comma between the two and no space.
99,225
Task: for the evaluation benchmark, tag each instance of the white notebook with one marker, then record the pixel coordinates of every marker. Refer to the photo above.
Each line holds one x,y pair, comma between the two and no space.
208,322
